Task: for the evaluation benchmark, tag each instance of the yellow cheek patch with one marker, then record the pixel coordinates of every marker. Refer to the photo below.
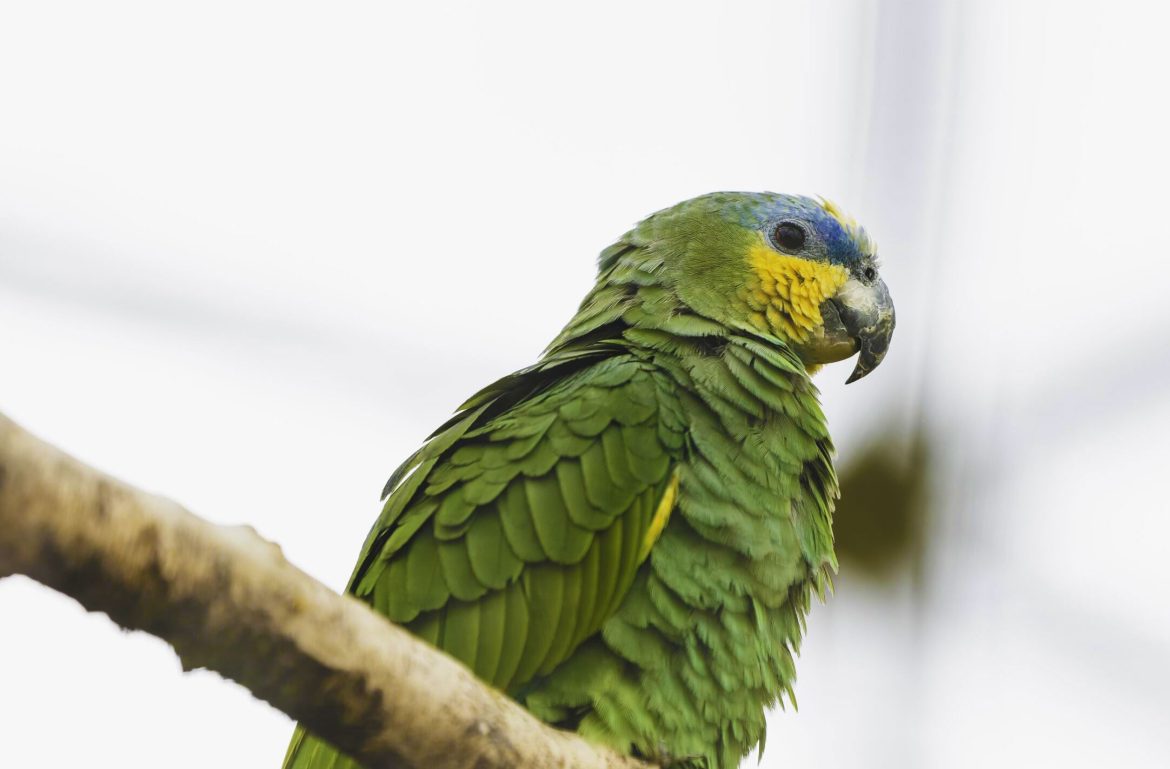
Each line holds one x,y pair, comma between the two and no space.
787,297
661,516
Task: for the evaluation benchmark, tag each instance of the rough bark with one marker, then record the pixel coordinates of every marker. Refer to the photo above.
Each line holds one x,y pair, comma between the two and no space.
228,601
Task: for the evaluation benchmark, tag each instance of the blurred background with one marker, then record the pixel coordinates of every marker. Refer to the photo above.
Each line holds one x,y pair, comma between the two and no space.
252,253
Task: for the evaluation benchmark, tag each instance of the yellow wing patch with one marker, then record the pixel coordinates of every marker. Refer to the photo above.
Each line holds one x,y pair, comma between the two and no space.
661,516
787,297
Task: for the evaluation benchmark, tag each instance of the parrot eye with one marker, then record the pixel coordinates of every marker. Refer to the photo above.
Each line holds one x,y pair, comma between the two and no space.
870,273
789,236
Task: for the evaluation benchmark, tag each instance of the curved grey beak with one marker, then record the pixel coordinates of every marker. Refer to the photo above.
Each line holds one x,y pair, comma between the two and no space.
867,314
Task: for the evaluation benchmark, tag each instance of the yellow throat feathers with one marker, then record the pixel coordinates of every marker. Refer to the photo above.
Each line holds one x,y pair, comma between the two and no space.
787,294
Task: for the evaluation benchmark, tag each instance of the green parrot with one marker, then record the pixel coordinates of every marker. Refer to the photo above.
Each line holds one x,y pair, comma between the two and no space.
625,536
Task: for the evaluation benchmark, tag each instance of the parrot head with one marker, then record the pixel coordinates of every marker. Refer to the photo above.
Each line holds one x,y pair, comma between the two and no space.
789,266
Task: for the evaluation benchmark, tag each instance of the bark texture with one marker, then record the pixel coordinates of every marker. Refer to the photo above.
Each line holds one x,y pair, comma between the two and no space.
228,601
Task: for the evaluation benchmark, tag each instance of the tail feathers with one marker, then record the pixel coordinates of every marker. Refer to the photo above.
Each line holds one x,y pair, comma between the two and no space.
308,752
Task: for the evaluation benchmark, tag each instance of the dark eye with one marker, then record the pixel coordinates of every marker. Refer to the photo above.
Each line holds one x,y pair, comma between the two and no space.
870,273
789,236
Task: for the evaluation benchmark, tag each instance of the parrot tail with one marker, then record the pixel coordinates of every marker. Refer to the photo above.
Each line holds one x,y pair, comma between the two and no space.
308,752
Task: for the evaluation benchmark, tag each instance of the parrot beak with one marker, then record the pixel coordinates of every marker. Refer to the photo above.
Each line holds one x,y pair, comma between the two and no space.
866,314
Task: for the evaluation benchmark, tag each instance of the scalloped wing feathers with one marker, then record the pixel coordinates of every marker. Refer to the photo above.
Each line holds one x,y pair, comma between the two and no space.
517,530
542,510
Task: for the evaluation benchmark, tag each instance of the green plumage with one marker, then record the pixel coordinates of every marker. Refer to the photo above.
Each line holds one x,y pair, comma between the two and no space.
515,539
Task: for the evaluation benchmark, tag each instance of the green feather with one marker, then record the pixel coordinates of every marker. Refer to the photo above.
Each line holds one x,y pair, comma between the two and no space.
570,482
540,460
492,631
544,589
562,540
425,588
568,615
461,631
516,619
617,461
457,572
453,510
492,560
589,578
601,489
609,553
516,518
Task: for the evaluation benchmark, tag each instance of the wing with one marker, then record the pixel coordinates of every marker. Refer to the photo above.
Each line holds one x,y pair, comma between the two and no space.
517,530
524,534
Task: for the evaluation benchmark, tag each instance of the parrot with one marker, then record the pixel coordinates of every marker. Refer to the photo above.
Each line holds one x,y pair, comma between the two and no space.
625,537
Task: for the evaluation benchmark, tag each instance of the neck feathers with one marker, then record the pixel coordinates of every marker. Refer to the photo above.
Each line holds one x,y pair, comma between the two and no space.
632,294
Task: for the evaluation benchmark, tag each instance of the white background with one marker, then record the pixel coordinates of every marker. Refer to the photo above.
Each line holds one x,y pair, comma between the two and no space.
251,253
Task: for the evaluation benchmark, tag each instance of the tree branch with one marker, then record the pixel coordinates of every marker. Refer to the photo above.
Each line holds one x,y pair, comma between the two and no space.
227,600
